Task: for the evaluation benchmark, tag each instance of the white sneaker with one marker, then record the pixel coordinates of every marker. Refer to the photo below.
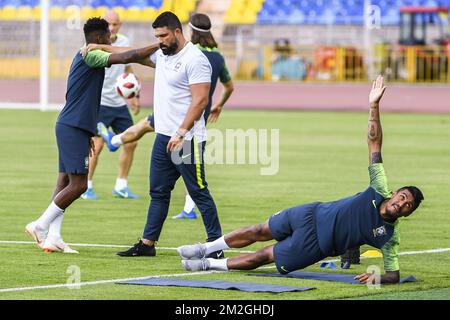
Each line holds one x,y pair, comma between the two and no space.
195,251
57,245
196,265
39,235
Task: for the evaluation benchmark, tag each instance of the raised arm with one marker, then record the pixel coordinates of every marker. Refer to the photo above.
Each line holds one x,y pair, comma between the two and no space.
124,55
375,134
140,56
216,109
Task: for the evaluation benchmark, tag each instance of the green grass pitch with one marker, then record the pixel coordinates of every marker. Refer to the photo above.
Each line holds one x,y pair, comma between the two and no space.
323,157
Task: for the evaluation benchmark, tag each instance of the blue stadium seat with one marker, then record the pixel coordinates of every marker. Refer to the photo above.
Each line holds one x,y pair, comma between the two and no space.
334,11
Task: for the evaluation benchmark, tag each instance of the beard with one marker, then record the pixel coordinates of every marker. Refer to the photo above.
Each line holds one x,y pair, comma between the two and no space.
390,215
169,50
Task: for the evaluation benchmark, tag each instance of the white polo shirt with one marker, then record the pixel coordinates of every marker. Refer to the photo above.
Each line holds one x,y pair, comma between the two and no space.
110,97
172,96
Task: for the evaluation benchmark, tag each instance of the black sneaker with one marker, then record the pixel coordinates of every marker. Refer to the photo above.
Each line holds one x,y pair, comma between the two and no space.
216,255
138,250
351,256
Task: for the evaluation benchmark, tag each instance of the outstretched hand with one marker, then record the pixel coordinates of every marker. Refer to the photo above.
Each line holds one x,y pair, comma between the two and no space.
378,89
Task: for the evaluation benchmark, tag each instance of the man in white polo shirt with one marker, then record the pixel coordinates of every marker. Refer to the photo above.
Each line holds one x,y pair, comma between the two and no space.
182,83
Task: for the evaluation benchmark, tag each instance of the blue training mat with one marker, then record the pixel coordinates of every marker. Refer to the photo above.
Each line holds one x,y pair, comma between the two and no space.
221,285
336,277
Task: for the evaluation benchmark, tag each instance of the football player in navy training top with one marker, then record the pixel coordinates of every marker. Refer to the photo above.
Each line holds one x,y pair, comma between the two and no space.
311,232
75,127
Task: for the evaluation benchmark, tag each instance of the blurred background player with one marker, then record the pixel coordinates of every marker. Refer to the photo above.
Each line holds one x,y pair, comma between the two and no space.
75,127
114,113
202,37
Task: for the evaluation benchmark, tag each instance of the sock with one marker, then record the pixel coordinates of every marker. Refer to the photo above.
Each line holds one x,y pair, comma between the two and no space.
121,184
55,227
218,264
90,184
189,205
116,141
49,215
216,245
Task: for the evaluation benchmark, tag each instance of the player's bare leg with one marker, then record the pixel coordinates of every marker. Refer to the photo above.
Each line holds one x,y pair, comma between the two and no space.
93,160
135,132
250,261
46,230
194,255
126,159
246,236
77,185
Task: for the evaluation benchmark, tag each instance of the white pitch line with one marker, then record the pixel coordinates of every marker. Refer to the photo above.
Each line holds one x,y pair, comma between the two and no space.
109,246
68,285
439,250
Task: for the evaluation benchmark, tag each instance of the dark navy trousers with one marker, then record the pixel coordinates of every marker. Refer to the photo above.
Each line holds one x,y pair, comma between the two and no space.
165,169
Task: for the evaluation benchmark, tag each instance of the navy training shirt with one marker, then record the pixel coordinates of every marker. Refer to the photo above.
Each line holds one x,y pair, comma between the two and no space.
84,89
352,222
219,71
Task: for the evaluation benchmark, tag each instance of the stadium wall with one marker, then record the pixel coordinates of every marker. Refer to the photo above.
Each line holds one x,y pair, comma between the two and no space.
272,96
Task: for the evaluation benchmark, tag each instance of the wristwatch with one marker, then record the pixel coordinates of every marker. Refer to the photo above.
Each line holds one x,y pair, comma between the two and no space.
180,136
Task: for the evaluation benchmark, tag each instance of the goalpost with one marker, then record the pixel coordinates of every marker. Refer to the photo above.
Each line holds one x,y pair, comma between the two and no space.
43,59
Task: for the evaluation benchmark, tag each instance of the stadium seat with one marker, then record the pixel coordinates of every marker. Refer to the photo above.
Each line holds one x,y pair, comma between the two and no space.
149,14
8,13
332,11
56,13
132,14
24,13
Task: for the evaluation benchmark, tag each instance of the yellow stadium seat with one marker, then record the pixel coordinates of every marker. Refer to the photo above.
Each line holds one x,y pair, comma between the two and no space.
132,14
182,15
71,12
8,13
167,5
37,13
120,11
24,13
149,14
100,11
88,12
56,13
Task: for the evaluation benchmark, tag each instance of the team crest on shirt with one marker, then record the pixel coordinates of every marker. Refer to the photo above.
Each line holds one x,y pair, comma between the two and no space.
177,66
86,163
380,231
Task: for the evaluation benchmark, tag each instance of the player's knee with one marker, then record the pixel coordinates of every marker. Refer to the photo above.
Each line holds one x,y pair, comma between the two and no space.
262,257
130,146
259,230
78,187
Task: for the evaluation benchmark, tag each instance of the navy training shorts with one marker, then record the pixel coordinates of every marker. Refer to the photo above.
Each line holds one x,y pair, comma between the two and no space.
295,231
118,118
73,149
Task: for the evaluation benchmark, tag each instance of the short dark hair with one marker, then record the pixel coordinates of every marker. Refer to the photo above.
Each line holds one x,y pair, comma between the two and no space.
205,39
95,26
167,19
416,193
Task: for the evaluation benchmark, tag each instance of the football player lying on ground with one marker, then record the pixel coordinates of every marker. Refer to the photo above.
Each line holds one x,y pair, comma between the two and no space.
311,232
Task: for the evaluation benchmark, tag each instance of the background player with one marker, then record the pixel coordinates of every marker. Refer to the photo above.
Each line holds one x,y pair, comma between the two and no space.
114,113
